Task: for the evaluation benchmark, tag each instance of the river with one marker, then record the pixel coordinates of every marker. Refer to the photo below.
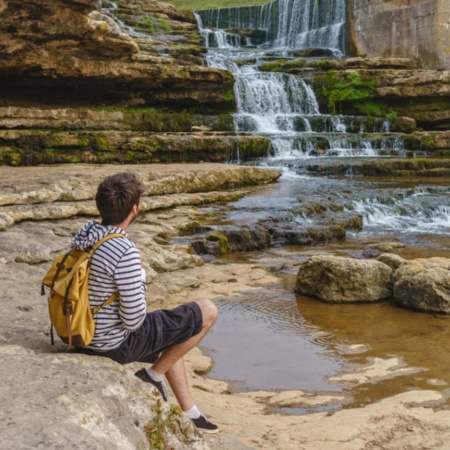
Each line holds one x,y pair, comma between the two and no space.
275,339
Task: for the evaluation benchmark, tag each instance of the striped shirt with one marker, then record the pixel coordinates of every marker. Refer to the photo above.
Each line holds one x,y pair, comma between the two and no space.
115,266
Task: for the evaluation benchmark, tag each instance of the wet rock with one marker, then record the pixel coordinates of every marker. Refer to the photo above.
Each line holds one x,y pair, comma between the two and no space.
344,280
47,147
375,250
265,235
424,284
404,125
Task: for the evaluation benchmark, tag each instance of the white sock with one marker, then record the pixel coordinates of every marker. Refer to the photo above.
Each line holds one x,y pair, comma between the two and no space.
193,413
155,375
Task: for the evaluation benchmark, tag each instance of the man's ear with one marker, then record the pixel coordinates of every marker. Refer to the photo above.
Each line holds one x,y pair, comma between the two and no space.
135,209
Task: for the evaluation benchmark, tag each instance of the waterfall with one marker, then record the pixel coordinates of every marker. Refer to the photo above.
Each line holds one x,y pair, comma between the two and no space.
281,106
293,24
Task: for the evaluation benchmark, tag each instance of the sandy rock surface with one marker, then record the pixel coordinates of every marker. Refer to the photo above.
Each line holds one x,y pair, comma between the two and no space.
52,400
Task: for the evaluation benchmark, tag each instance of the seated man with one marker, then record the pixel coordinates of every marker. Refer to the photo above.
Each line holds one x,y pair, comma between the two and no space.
124,331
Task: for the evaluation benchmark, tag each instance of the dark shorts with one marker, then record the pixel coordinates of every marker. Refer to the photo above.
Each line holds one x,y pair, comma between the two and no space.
160,330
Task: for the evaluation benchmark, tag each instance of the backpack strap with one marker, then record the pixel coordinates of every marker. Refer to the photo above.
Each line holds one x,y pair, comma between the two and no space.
94,248
105,303
105,238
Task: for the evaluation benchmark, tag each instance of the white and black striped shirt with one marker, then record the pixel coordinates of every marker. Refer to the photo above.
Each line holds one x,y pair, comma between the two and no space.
115,266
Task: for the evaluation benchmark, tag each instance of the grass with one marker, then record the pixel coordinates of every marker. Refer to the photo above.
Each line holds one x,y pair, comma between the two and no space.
209,4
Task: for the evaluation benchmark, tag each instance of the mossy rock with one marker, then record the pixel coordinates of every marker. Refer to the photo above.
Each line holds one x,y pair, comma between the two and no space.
221,239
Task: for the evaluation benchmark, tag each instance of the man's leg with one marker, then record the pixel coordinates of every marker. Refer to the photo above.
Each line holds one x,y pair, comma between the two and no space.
171,365
175,353
176,376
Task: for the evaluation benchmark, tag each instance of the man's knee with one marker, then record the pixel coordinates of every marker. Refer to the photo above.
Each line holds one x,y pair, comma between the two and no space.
209,312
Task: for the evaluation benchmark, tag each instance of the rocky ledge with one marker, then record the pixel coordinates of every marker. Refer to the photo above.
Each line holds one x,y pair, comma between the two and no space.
76,52
51,398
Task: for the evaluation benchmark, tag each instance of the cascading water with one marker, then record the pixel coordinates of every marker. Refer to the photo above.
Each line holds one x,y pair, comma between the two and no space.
286,23
284,108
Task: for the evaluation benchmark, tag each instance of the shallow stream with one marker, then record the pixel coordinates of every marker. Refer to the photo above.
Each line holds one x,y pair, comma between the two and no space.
273,339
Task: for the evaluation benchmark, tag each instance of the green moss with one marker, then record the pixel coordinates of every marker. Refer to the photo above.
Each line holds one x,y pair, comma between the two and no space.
149,22
208,4
273,66
352,87
228,94
190,228
428,142
165,25
99,143
224,245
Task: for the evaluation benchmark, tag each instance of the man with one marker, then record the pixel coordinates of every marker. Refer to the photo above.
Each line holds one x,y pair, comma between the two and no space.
124,330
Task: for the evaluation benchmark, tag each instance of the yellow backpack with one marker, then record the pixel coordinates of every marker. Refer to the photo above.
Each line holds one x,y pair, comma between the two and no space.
68,300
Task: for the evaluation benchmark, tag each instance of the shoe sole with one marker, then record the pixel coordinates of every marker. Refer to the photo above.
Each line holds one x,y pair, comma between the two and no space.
203,430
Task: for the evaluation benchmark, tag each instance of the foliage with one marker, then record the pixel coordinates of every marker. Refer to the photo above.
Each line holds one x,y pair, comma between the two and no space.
208,4
352,87
162,423
150,24
165,25
356,92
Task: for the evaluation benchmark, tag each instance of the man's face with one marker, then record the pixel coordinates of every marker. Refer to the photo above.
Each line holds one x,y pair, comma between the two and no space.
135,215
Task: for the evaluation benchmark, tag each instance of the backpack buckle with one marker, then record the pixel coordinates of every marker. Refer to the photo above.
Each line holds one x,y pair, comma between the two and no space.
67,308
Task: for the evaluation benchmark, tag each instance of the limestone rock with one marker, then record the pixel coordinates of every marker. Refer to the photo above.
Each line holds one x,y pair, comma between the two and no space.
71,50
391,260
404,125
344,280
424,284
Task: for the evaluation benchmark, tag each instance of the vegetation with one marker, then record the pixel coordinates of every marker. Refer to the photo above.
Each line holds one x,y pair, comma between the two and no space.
209,4
163,424
352,87
353,92
165,25
150,24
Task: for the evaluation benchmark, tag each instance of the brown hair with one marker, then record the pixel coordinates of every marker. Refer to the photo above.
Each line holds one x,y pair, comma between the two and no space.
116,196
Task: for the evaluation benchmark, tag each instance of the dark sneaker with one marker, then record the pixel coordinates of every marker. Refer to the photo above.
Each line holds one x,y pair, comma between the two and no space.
203,424
160,385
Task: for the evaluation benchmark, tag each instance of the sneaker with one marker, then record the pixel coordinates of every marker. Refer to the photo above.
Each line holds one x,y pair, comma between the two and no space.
160,385
203,424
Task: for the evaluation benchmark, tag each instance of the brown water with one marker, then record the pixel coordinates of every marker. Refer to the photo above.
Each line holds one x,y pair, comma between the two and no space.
274,339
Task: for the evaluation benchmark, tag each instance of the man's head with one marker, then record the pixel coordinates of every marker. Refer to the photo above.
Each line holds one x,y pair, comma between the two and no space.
116,196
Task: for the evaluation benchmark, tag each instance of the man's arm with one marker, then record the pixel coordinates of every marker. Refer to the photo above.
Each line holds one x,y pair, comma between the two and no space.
131,285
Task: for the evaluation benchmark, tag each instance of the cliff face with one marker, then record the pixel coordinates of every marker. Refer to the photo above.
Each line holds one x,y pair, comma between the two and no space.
73,52
401,28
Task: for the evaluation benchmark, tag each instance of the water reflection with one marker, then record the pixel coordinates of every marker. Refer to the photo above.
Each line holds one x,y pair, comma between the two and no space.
276,340
262,341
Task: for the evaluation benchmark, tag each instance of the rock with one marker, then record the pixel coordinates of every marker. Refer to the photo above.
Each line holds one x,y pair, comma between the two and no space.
69,50
393,261
404,125
375,250
424,284
399,28
344,280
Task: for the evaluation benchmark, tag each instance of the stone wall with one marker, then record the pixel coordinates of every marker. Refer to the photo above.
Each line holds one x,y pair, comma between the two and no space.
401,28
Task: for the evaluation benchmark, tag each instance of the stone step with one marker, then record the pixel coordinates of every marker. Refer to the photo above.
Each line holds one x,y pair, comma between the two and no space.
29,147
143,119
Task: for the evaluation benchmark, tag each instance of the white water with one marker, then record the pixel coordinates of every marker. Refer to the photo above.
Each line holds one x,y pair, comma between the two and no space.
284,108
290,24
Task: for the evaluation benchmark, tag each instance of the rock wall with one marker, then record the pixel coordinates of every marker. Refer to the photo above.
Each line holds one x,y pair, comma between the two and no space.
401,28
57,52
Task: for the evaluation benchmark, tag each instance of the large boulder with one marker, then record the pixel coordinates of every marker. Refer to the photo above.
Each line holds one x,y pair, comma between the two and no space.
337,279
424,284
